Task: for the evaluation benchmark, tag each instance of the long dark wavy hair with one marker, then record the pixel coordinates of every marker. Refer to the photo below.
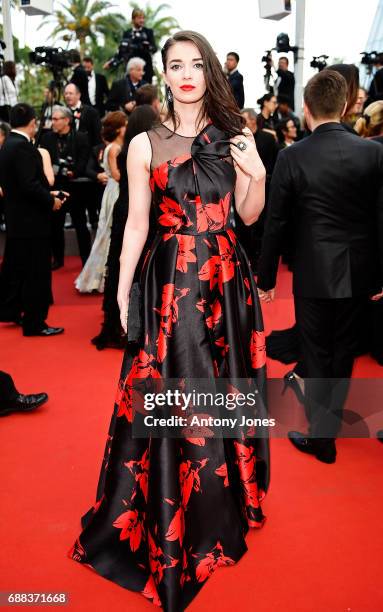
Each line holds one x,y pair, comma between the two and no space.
351,73
219,105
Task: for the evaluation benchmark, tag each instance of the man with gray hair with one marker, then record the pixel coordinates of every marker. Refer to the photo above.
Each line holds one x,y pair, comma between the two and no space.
69,151
123,92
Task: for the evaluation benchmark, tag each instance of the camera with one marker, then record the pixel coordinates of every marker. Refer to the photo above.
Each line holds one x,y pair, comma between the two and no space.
53,57
135,44
369,58
319,62
267,58
63,166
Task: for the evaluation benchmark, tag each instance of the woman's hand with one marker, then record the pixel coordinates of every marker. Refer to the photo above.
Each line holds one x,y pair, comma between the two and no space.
123,303
248,159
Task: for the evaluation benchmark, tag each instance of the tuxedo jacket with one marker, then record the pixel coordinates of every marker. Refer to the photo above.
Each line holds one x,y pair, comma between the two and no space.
236,83
121,93
27,197
102,93
332,184
90,123
80,79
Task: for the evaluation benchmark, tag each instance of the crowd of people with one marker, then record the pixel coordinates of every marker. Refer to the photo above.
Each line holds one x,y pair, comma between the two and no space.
145,173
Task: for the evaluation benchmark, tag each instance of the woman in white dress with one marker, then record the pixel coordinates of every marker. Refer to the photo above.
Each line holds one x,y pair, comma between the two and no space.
92,277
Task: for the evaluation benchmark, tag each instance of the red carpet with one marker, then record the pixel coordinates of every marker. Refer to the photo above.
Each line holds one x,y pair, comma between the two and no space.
321,548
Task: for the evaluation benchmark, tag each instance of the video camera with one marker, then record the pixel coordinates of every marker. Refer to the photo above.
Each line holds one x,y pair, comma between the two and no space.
63,166
134,44
319,62
369,58
55,58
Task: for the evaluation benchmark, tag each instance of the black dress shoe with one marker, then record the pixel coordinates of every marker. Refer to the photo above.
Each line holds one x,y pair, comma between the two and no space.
323,449
46,331
291,381
379,435
23,403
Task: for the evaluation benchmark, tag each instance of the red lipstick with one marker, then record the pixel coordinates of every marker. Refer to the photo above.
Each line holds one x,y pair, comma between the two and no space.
187,87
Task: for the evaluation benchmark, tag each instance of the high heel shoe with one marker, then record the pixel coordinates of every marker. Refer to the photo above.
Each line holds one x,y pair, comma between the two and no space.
291,381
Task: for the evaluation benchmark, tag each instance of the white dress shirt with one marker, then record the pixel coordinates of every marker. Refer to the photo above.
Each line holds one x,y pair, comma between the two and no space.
92,88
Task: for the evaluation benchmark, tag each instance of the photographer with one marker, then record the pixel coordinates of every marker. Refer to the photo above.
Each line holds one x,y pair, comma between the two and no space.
8,90
285,82
79,76
123,93
69,151
138,41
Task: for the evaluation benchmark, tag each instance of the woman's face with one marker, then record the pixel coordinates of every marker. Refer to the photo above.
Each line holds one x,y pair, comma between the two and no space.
271,104
184,72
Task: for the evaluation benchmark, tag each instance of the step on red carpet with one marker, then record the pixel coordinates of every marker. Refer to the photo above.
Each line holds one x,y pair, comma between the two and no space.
320,550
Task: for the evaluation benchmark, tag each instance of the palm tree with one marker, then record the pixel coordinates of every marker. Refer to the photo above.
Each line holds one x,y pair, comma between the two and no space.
82,21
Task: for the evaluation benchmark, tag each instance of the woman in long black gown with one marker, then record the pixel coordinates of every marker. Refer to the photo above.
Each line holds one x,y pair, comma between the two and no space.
170,511
111,334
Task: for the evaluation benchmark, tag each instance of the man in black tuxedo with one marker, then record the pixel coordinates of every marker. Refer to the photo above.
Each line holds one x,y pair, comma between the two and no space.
79,76
235,78
69,151
332,182
97,86
123,92
26,271
85,118
141,42
285,82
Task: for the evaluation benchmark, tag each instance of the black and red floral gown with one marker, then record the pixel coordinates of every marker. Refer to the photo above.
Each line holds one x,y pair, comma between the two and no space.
170,511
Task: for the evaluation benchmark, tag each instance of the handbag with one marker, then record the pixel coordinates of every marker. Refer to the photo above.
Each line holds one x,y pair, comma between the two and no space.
135,319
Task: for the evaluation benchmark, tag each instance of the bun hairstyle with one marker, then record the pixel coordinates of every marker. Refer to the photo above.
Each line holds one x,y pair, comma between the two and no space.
265,98
111,123
219,105
371,122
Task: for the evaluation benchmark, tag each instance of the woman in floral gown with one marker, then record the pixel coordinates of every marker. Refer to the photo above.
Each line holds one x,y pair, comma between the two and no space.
169,511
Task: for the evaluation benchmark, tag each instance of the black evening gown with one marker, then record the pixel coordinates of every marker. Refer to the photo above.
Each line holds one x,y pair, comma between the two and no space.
169,511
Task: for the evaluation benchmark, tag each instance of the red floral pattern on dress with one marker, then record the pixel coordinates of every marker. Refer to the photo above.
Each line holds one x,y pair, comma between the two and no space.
222,471
210,561
257,349
140,471
219,269
246,462
158,560
186,244
160,176
150,592
168,316
173,215
212,216
132,528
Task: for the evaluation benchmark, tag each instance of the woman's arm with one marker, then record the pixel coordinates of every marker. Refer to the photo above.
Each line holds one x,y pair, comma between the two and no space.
137,224
251,179
113,153
47,166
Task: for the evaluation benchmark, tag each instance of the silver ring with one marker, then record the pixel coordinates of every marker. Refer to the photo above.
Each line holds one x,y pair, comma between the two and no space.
242,146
